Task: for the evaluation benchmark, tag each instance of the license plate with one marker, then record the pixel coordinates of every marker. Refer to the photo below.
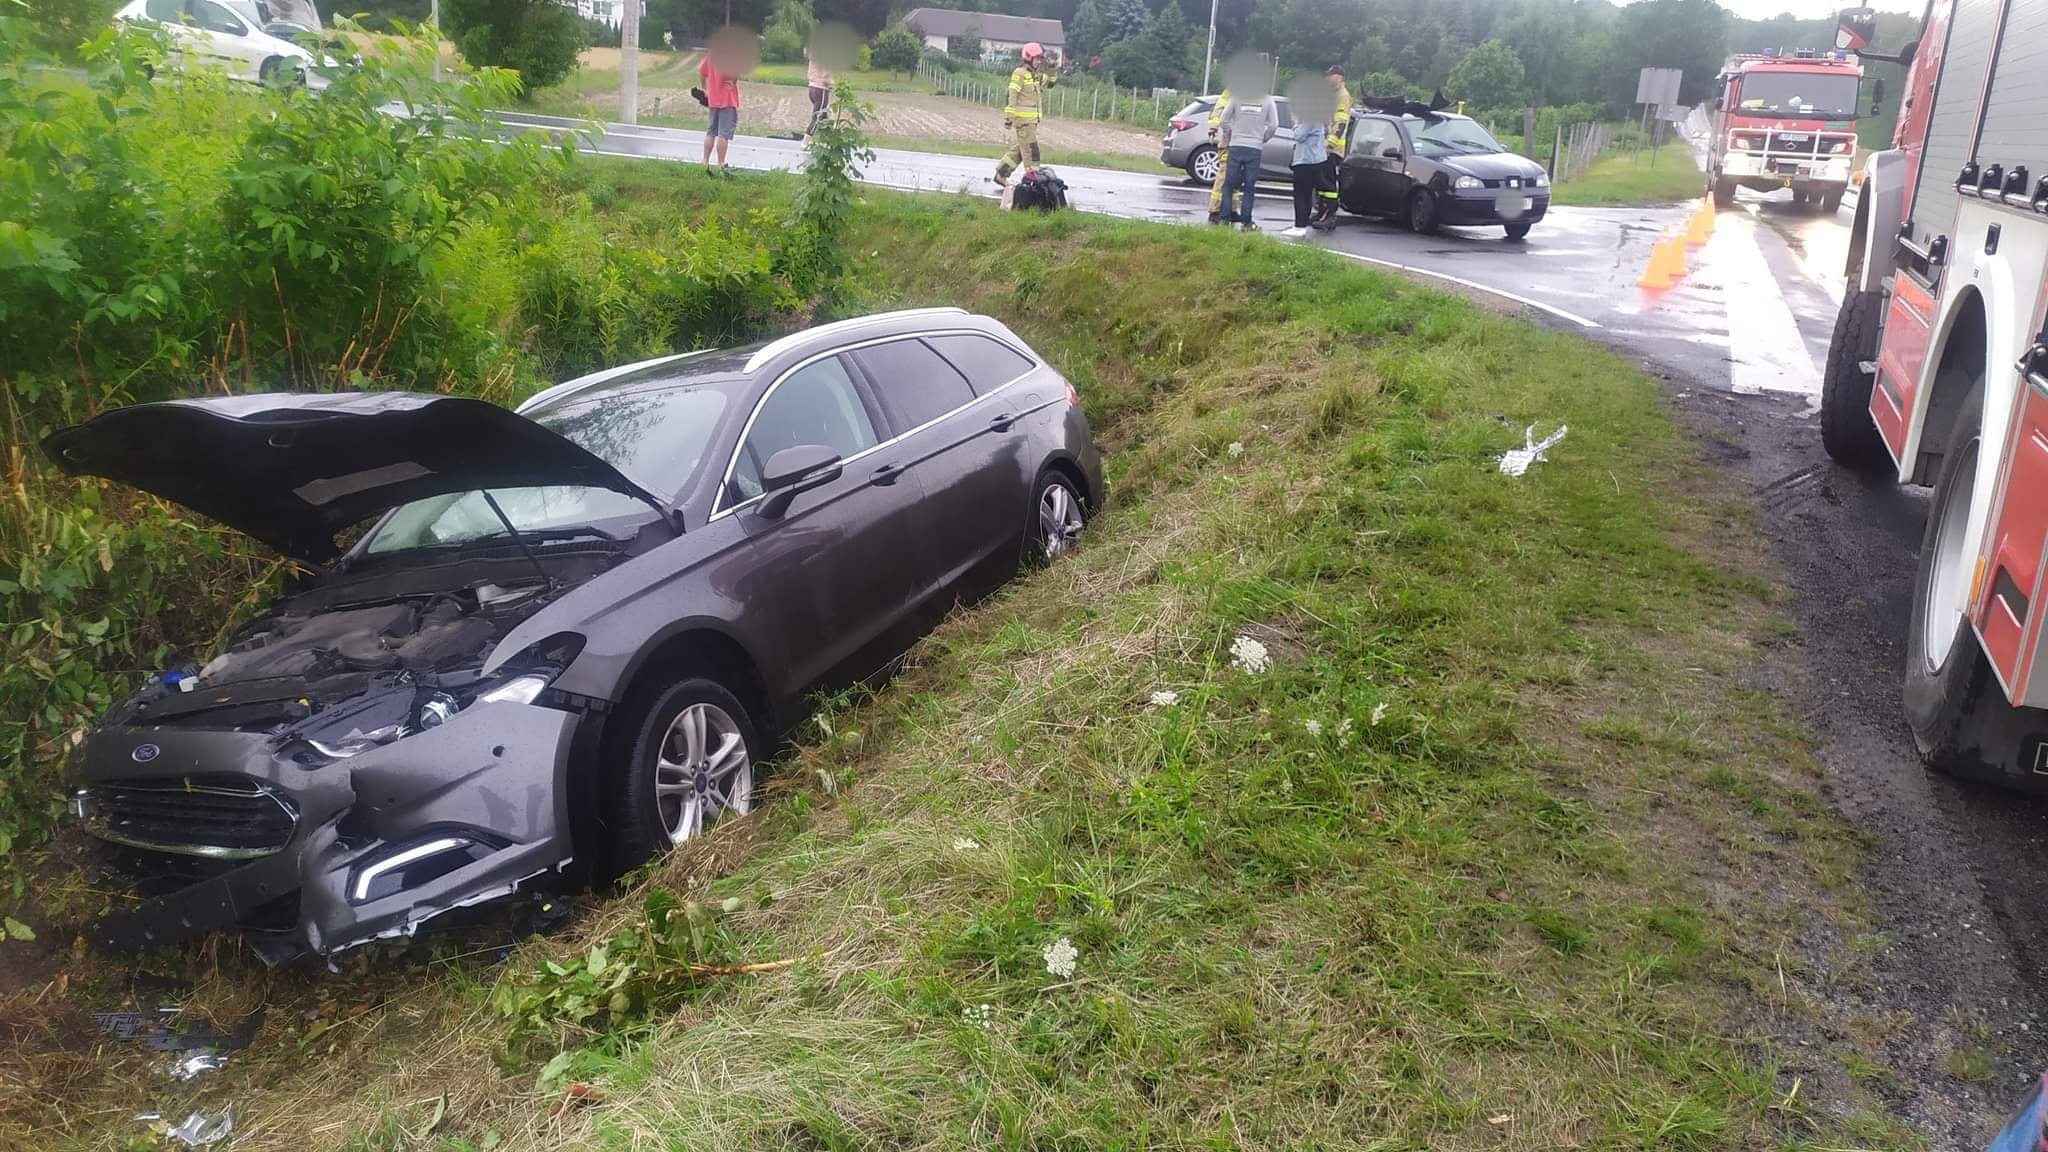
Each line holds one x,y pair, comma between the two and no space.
1511,204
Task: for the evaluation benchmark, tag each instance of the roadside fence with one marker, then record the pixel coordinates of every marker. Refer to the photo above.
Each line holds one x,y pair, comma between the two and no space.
1575,147
1073,98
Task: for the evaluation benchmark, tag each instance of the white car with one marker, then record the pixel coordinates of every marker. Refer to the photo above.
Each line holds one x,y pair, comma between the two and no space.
229,34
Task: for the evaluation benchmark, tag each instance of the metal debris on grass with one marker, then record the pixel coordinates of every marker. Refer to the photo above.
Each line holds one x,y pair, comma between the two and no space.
196,1064
200,1129
1516,461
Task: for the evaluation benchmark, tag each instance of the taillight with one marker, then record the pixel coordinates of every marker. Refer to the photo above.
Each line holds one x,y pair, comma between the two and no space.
1180,125
1073,397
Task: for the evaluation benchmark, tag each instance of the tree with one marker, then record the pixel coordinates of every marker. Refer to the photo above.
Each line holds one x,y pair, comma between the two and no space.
787,31
896,49
1085,34
1687,34
1171,37
60,26
1385,84
967,45
1125,18
1489,76
538,39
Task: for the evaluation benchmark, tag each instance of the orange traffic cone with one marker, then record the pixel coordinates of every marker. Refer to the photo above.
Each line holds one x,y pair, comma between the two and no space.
1701,226
1667,262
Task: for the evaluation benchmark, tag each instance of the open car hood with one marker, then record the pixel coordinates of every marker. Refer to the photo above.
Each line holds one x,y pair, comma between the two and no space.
293,469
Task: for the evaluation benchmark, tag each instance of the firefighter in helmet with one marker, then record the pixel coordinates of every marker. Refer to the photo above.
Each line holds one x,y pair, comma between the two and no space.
1021,114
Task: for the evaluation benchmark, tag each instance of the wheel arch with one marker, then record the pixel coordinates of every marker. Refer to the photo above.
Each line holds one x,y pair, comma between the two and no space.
1068,467
1962,343
1880,209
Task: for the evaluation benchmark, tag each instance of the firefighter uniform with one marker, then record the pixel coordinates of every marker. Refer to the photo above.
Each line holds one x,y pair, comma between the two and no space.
1222,133
1326,196
1023,111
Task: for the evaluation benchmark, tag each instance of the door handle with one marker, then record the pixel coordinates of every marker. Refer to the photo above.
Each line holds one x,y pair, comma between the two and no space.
1002,423
888,474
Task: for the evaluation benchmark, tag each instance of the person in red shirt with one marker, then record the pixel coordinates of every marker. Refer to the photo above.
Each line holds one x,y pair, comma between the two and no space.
722,96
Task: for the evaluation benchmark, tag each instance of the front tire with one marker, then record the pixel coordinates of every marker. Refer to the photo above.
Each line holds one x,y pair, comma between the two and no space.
1202,165
1518,230
1831,201
1422,213
1724,193
691,765
1846,429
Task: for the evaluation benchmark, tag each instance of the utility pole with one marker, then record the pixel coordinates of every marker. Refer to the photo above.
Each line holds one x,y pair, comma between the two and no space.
1207,57
629,63
434,18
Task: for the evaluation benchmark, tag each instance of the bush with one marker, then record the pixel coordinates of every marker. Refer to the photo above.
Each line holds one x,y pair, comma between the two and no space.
61,26
538,39
781,44
896,49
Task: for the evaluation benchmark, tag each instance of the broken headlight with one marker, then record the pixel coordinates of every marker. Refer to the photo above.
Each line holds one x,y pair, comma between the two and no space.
353,729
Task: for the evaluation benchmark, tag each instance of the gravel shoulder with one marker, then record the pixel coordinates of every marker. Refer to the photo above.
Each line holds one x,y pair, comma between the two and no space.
1943,991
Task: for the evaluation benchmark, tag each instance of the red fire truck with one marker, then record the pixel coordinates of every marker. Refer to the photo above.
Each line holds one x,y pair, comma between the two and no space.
1785,122
1938,374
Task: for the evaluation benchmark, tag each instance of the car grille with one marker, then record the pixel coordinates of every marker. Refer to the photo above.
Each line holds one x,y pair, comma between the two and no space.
223,817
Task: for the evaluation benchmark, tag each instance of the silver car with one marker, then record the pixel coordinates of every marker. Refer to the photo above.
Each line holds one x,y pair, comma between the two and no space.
1189,147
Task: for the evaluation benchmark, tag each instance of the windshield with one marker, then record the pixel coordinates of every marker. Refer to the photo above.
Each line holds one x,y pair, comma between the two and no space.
1828,97
656,438
1450,137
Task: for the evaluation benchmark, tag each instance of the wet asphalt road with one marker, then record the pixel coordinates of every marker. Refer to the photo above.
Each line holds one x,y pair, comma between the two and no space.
1958,956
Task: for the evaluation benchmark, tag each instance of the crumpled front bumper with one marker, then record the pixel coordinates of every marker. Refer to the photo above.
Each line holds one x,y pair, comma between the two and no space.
493,779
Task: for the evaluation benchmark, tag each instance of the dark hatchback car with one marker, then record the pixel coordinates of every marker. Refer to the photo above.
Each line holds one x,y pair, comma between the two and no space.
1434,168
571,632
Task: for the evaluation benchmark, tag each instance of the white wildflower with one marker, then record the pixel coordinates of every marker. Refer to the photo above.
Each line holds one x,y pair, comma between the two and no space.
1344,726
1236,449
978,1015
965,844
1060,956
1379,713
1165,698
1249,655
1314,727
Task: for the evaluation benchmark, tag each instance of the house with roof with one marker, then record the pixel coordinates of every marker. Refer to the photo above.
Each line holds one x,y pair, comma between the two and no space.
1000,35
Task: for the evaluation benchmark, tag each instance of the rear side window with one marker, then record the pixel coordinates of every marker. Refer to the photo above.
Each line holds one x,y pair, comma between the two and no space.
987,364
914,384
164,11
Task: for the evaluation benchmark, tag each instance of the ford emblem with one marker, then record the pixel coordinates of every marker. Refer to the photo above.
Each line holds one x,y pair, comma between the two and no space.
144,753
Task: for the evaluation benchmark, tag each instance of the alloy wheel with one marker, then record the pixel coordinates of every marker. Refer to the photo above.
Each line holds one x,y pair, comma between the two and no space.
1059,521
702,772
1205,165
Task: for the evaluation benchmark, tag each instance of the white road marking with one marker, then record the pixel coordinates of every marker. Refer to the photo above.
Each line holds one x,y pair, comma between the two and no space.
1539,305
1765,350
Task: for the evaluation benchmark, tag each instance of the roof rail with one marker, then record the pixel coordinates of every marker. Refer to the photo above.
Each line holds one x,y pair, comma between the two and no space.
776,348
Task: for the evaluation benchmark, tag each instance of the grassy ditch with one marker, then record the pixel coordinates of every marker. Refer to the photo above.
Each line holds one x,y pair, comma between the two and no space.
1627,178
1380,799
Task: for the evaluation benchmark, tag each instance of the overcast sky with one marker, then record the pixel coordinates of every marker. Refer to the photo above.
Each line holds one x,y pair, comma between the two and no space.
1811,9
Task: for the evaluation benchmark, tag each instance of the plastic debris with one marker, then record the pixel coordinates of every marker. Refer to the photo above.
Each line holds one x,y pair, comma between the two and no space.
197,1064
199,1129
158,1032
1516,461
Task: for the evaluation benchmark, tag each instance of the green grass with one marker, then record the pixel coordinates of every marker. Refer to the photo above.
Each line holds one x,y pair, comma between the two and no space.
796,76
1056,157
1487,853
1626,178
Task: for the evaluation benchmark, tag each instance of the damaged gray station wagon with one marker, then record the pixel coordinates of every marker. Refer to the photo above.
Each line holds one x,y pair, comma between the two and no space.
571,633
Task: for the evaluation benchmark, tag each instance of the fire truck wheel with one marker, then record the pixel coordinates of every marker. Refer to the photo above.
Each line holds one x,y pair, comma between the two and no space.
1951,696
1831,202
1846,430
1724,193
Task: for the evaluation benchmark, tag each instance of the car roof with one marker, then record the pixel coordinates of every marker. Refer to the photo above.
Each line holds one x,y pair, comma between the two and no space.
750,366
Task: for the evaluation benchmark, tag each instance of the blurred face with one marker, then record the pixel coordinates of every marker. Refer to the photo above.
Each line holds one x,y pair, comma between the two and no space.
1336,80
1312,103
1249,77
734,51
835,47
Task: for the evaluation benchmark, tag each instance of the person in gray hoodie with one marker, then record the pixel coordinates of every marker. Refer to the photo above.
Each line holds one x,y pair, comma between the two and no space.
1251,123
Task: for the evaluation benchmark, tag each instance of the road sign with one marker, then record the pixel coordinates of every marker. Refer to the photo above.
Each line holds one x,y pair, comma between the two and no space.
1658,86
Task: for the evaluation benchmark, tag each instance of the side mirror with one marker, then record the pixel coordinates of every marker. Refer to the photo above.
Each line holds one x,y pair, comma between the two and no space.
1877,95
792,472
1391,153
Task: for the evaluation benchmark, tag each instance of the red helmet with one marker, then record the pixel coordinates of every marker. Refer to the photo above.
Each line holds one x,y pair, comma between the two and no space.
1032,51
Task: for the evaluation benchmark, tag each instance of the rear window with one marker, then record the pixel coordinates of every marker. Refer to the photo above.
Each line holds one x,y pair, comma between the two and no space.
987,364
